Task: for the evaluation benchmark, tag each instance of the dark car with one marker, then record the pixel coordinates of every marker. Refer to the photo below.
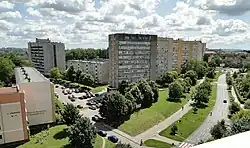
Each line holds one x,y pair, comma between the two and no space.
56,86
91,103
113,139
224,101
102,133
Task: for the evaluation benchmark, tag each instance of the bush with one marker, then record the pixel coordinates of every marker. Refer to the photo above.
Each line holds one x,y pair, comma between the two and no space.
247,104
174,129
234,108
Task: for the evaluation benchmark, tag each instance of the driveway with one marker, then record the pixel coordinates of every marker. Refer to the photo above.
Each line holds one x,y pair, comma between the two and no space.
220,111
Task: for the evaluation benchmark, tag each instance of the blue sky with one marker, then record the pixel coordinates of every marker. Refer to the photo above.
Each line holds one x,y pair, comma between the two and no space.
87,23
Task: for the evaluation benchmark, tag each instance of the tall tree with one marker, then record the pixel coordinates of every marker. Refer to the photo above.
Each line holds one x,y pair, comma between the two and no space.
87,79
78,75
147,94
155,90
82,133
6,70
70,74
70,114
135,91
55,73
218,130
122,87
115,107
175,91
192,75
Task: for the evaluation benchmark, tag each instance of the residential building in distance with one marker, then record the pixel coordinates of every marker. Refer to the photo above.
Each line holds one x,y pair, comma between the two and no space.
131,57
98,68
172,54
13,119
38,93
45,55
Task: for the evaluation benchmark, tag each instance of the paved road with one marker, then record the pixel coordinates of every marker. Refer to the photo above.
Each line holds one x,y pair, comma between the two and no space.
220,111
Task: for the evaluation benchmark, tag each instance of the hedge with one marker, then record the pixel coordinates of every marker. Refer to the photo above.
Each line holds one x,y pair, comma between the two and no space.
240,98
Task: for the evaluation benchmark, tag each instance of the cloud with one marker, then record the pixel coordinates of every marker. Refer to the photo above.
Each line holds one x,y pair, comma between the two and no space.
5,5
10,15
31,11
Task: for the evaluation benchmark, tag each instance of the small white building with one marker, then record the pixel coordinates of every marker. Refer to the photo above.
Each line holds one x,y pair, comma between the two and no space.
39,95
98,68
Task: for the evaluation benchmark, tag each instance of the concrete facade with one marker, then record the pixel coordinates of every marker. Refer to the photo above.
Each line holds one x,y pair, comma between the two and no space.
131,57
172,54
39,95
13,119
45,55
98,68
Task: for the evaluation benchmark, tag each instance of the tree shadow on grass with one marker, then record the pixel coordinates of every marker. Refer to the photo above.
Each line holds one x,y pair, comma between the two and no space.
174,100
199,105
61,135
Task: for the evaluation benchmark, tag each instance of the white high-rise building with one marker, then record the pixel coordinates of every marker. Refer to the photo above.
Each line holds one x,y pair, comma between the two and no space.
45,55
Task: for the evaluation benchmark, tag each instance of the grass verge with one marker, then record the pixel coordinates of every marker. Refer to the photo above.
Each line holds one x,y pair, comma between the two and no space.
157,144
190,121
146,118
99,89
55,137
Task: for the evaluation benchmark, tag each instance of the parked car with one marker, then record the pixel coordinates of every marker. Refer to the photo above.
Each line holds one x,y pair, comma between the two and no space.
97,94
102,133
91,103
73,90
77,91
224,101
62,87
91,94
57,95
56,86
113,139
73,99
92,107
69,91
70,97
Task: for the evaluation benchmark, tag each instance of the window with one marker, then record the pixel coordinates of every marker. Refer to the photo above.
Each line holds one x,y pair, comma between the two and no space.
1,137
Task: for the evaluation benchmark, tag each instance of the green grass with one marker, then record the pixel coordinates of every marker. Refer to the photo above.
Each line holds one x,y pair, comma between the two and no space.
157,144
99,89
146,118
56,138
190,121
108,144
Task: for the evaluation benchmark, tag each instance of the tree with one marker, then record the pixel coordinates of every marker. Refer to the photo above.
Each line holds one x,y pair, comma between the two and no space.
199,67
115,107
87,79
239,125
174,129
235,75
15,59
135,91
1,84
247,104
175,91
122,87
234,108
82,133
131,98
218,130
70,74
211,73
55,73
155,90
78,75
70,114
120,145
147,94
169,77
6,70
192,75
201,96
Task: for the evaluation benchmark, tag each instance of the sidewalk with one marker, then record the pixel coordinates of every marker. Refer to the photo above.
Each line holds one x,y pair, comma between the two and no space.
166,140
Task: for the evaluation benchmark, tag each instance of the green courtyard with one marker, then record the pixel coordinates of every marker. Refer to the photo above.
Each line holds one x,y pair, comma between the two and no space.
146,118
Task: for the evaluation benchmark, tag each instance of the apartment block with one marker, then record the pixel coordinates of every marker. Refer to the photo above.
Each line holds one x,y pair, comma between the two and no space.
172,54
13,119
45,55
131,57
98,68
38,93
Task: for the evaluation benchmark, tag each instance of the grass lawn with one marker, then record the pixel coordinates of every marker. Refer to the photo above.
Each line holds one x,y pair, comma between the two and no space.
108,144
157,144
99,89
146,118
190,121
56,138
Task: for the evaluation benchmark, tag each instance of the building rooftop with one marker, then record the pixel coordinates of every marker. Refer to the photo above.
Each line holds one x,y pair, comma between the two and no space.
6,90
31,74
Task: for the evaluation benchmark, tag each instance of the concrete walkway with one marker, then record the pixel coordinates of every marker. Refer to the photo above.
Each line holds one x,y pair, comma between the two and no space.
166,140
236,98
103,142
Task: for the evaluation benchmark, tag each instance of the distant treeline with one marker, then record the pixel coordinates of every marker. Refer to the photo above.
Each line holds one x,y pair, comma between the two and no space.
86,54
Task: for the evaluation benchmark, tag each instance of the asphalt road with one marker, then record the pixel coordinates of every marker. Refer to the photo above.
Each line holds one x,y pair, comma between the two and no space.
219,112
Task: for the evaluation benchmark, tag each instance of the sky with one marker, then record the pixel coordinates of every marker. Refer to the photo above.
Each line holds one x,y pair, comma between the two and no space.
87,23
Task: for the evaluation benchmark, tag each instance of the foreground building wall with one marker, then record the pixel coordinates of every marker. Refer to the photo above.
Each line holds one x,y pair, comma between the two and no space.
13,119
39,96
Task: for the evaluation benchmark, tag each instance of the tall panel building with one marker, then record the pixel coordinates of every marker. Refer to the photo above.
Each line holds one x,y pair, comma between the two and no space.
131,57
172,54
45,55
